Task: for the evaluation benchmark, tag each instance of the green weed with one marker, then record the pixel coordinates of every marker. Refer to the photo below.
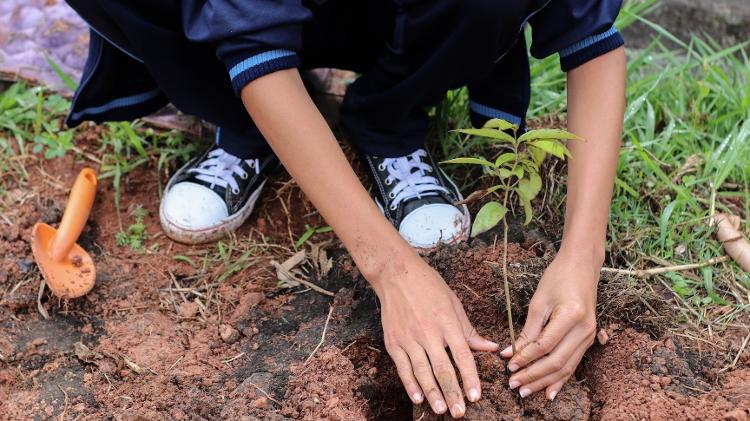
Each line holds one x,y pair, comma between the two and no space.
135,236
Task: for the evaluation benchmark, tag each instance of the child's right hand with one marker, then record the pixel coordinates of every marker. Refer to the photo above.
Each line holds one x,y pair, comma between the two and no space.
421,316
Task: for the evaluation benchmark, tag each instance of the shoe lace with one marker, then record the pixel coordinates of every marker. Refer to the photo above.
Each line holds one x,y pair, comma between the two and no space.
411,177
220,168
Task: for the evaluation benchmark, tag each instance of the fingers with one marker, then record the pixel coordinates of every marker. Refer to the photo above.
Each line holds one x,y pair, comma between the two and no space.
464,360
423,372
446,377
406,374
531,329
475,341
559,325
555,378
554,388
553,363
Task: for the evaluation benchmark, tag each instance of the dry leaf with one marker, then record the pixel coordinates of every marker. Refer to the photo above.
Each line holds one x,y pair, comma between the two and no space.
133,366
734,242
284,271
85,353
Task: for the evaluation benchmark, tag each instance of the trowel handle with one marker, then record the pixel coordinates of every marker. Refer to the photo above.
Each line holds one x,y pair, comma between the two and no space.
77,211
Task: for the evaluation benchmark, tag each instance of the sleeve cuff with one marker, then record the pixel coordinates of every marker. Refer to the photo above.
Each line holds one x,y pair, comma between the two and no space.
590,48
245,69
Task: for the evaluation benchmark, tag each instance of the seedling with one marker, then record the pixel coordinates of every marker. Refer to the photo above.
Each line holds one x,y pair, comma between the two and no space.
135,236
516,170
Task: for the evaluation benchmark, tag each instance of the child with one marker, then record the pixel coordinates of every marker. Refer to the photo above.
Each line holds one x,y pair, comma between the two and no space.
223,59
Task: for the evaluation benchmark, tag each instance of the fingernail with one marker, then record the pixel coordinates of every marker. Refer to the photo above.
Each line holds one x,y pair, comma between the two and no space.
440,407
473,394
514,384
457,410
507,350
524,392
492,344
417,398
513,367
552,395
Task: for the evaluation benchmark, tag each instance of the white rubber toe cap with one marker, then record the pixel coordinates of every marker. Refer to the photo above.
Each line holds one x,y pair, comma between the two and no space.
192,206
429,225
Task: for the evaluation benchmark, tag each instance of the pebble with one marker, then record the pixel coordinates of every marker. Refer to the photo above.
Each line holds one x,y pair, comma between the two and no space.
188,310
228,334
260,403
665,381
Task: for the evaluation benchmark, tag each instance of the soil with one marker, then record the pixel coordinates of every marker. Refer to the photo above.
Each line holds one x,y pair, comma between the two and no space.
198,337
134,350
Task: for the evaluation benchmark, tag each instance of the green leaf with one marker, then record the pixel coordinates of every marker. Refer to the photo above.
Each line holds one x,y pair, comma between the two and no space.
134,139
499,123
546,134
503,173
530,187
487,217
506,157
473,161
554,147
67,80
490,133
527,209
537,155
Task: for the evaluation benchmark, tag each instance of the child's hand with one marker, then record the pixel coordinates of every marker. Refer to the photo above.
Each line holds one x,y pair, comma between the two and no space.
421,316
560,327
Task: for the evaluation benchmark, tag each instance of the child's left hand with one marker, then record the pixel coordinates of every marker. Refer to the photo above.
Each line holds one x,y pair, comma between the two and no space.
560,327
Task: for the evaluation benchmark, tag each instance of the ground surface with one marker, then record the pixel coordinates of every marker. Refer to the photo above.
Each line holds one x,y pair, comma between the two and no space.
147,342
206,332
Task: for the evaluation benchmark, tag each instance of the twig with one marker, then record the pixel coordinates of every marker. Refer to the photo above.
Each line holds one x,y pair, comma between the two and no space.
644,273
742,349
65,408
39,306
264,392
234,358
322,337
506,286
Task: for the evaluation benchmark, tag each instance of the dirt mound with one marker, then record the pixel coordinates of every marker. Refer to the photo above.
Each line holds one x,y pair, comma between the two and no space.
324,390
640,378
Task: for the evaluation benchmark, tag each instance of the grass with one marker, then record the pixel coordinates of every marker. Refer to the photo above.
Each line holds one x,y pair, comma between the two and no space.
686,153
32,122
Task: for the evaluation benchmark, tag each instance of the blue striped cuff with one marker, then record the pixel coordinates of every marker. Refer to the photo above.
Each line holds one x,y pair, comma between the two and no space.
126,101
490,112
590,48
261,64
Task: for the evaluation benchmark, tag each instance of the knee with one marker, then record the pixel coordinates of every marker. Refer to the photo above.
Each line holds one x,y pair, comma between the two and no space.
493,15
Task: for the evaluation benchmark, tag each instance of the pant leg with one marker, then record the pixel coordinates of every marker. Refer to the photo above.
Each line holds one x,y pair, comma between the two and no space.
505,92
187,73
436,45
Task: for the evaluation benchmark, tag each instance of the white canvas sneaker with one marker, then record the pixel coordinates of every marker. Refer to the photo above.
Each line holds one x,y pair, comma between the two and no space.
212,195
418,198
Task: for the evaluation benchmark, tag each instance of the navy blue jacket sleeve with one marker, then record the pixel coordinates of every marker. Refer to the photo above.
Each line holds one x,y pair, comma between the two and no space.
252,37
579,30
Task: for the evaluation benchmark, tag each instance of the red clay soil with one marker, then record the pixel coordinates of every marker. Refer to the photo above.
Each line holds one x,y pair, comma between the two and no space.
140,347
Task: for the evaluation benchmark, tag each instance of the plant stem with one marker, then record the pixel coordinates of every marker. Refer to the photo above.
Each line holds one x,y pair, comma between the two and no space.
507,287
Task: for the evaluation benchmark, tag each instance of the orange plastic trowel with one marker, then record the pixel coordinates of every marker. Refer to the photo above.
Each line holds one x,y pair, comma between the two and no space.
67,268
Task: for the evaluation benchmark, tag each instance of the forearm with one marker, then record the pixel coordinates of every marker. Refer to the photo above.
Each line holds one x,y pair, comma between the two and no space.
596,102
300,137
